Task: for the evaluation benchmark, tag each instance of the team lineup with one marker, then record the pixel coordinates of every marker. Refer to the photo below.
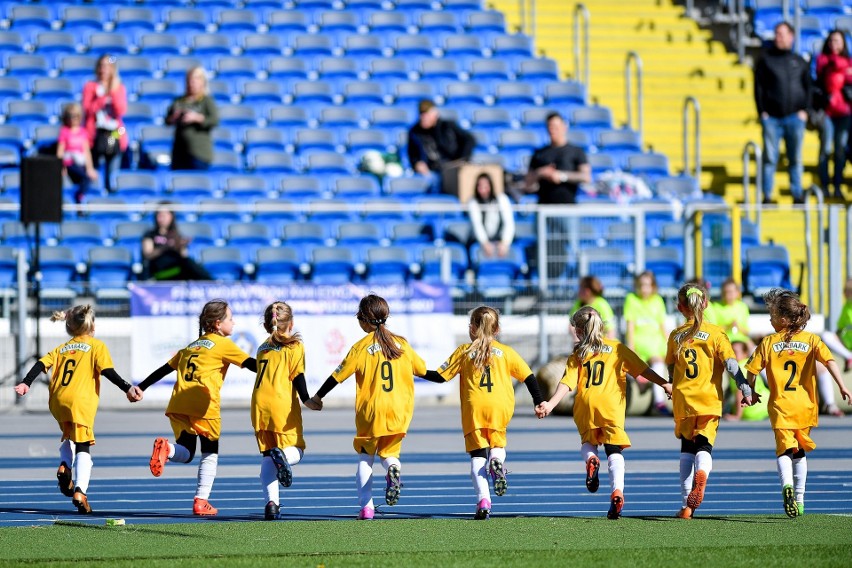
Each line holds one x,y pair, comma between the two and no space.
698,354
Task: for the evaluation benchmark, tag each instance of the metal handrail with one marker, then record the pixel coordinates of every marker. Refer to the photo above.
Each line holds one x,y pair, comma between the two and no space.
582,13
633,60
696,108
741,19
815,274
748,149
835,282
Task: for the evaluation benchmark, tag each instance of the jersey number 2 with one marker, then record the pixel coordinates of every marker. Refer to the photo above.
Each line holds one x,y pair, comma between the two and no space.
790,365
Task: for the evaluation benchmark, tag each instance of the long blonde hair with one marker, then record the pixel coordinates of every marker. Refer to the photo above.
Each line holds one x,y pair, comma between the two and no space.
277,318
374,310
787,305
590,329
691,298
79,320
486,325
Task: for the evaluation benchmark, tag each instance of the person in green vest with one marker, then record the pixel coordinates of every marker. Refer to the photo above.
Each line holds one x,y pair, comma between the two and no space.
645,316
731,313
840,343
757,411
590,293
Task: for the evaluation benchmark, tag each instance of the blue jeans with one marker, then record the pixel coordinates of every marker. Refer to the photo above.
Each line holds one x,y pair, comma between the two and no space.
833,138
792,129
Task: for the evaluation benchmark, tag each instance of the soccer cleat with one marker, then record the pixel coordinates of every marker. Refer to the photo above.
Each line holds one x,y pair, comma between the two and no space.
696,496
615,505
203,508
63,476
284,472
81,502
801,507
592,467
498,477
483,510
366,514
394,485
684,513
790,505
159,456
270,512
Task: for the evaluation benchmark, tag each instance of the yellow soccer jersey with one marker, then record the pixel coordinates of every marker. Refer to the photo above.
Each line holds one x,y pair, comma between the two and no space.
600,383
487,397
791,373
275,404
384,399
75,381
201,368
698,367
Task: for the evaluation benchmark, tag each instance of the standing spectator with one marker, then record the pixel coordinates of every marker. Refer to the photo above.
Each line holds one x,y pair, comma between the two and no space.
590,293
834,68
434,144
493,227
194,116
164,251
557,170
782,93
104,106
731,314
73,148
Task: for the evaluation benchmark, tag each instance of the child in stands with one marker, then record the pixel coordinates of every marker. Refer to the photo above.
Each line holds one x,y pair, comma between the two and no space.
75,385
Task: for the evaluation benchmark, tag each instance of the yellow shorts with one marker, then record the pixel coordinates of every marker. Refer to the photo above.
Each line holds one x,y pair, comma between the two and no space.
266,440
691,426
77,432
793,440
484,438
210,428
609,434
385,446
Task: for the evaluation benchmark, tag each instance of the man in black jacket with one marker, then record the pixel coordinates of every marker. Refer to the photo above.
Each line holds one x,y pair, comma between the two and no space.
782,93
434,143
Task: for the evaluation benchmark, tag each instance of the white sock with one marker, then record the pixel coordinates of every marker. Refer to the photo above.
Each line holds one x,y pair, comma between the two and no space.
704,462
293,455
658,392
498,453
268,480
587,451
83,470
687,465
800,476
387,462
835,344
785,470
616,471
66,453
826,388
206,475
364,480
179,453
480,481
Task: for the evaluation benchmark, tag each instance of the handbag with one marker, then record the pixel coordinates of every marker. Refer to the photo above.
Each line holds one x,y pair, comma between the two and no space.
106,142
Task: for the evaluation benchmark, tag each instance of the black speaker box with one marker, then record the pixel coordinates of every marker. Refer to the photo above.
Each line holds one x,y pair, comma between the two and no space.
41,189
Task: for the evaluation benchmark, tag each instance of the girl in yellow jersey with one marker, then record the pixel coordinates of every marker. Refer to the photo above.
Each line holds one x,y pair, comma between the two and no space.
697,355
384,365
75,385
194,408
486,368
275,412
597,370
789,356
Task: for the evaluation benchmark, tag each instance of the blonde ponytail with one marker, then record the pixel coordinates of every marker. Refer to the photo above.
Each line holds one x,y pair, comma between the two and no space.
79,320
485,322
590,329
692,297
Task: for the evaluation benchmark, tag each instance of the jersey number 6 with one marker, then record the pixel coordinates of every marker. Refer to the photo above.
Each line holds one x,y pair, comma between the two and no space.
67,372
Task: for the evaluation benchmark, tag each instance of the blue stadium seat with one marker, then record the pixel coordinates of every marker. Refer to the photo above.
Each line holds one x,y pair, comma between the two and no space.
135,187
155,145
485,24
650,165
158,44
8,268
237,21
387,266
766,267
408,187
462,5
53,90
188,187
248,237
51,44
263,139
411,92
27,114
82,21
300,187
413,48
185,20
463,47
337,22
134,21
27,67
28,20
223,263
384,70
363,46
496,277
339,117
206,45
512,47
717,264
157,91
332,265
109,271
262,47
271,162
80,236
438,24
113,43
434,258
354,233
463,94
225,162
287,22
287,117
388,25
58,266
513,93
277,264
564,93
200,233
315,139
305,233
407,233
311,45
488,71
667,265
322,163
359,141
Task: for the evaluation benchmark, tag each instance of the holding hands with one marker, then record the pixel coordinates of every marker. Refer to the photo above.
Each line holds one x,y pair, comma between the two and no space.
314,403
134,394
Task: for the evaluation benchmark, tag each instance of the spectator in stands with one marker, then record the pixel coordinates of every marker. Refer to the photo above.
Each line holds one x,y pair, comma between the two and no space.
164,250
435,144
782,93
558,169
492,218
104,106
731,313
72,147
590,293
840,343
834,72
194,116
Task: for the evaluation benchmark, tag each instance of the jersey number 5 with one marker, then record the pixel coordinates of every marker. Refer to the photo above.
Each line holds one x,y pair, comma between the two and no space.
67,372
189,376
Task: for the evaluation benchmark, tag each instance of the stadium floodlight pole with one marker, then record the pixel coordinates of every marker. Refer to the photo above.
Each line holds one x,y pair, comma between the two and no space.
690,102
634,61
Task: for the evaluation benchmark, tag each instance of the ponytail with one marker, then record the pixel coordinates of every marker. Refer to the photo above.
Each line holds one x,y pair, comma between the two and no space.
485,324
79,320
277,319
589,325
786,304
693,299
374,310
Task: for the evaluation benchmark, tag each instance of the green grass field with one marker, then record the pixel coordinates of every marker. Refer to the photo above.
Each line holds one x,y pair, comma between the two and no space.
758,541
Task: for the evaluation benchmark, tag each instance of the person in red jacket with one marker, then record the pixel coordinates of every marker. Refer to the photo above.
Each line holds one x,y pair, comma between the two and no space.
104,107
834,71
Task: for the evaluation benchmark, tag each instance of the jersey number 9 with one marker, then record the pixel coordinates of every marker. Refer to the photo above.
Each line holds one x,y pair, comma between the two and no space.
387,376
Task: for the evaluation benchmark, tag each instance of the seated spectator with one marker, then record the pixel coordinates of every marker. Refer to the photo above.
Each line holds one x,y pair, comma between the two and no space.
104,104
194,116
491,218
164,251
731,314
590,293
72,147
435,144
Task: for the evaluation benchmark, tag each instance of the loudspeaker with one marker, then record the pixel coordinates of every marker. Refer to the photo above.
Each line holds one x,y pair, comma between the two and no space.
41,189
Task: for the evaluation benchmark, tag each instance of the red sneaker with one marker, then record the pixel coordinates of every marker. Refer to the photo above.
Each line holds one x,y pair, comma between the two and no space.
684,513
615,505
159,456
696,496
203,508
